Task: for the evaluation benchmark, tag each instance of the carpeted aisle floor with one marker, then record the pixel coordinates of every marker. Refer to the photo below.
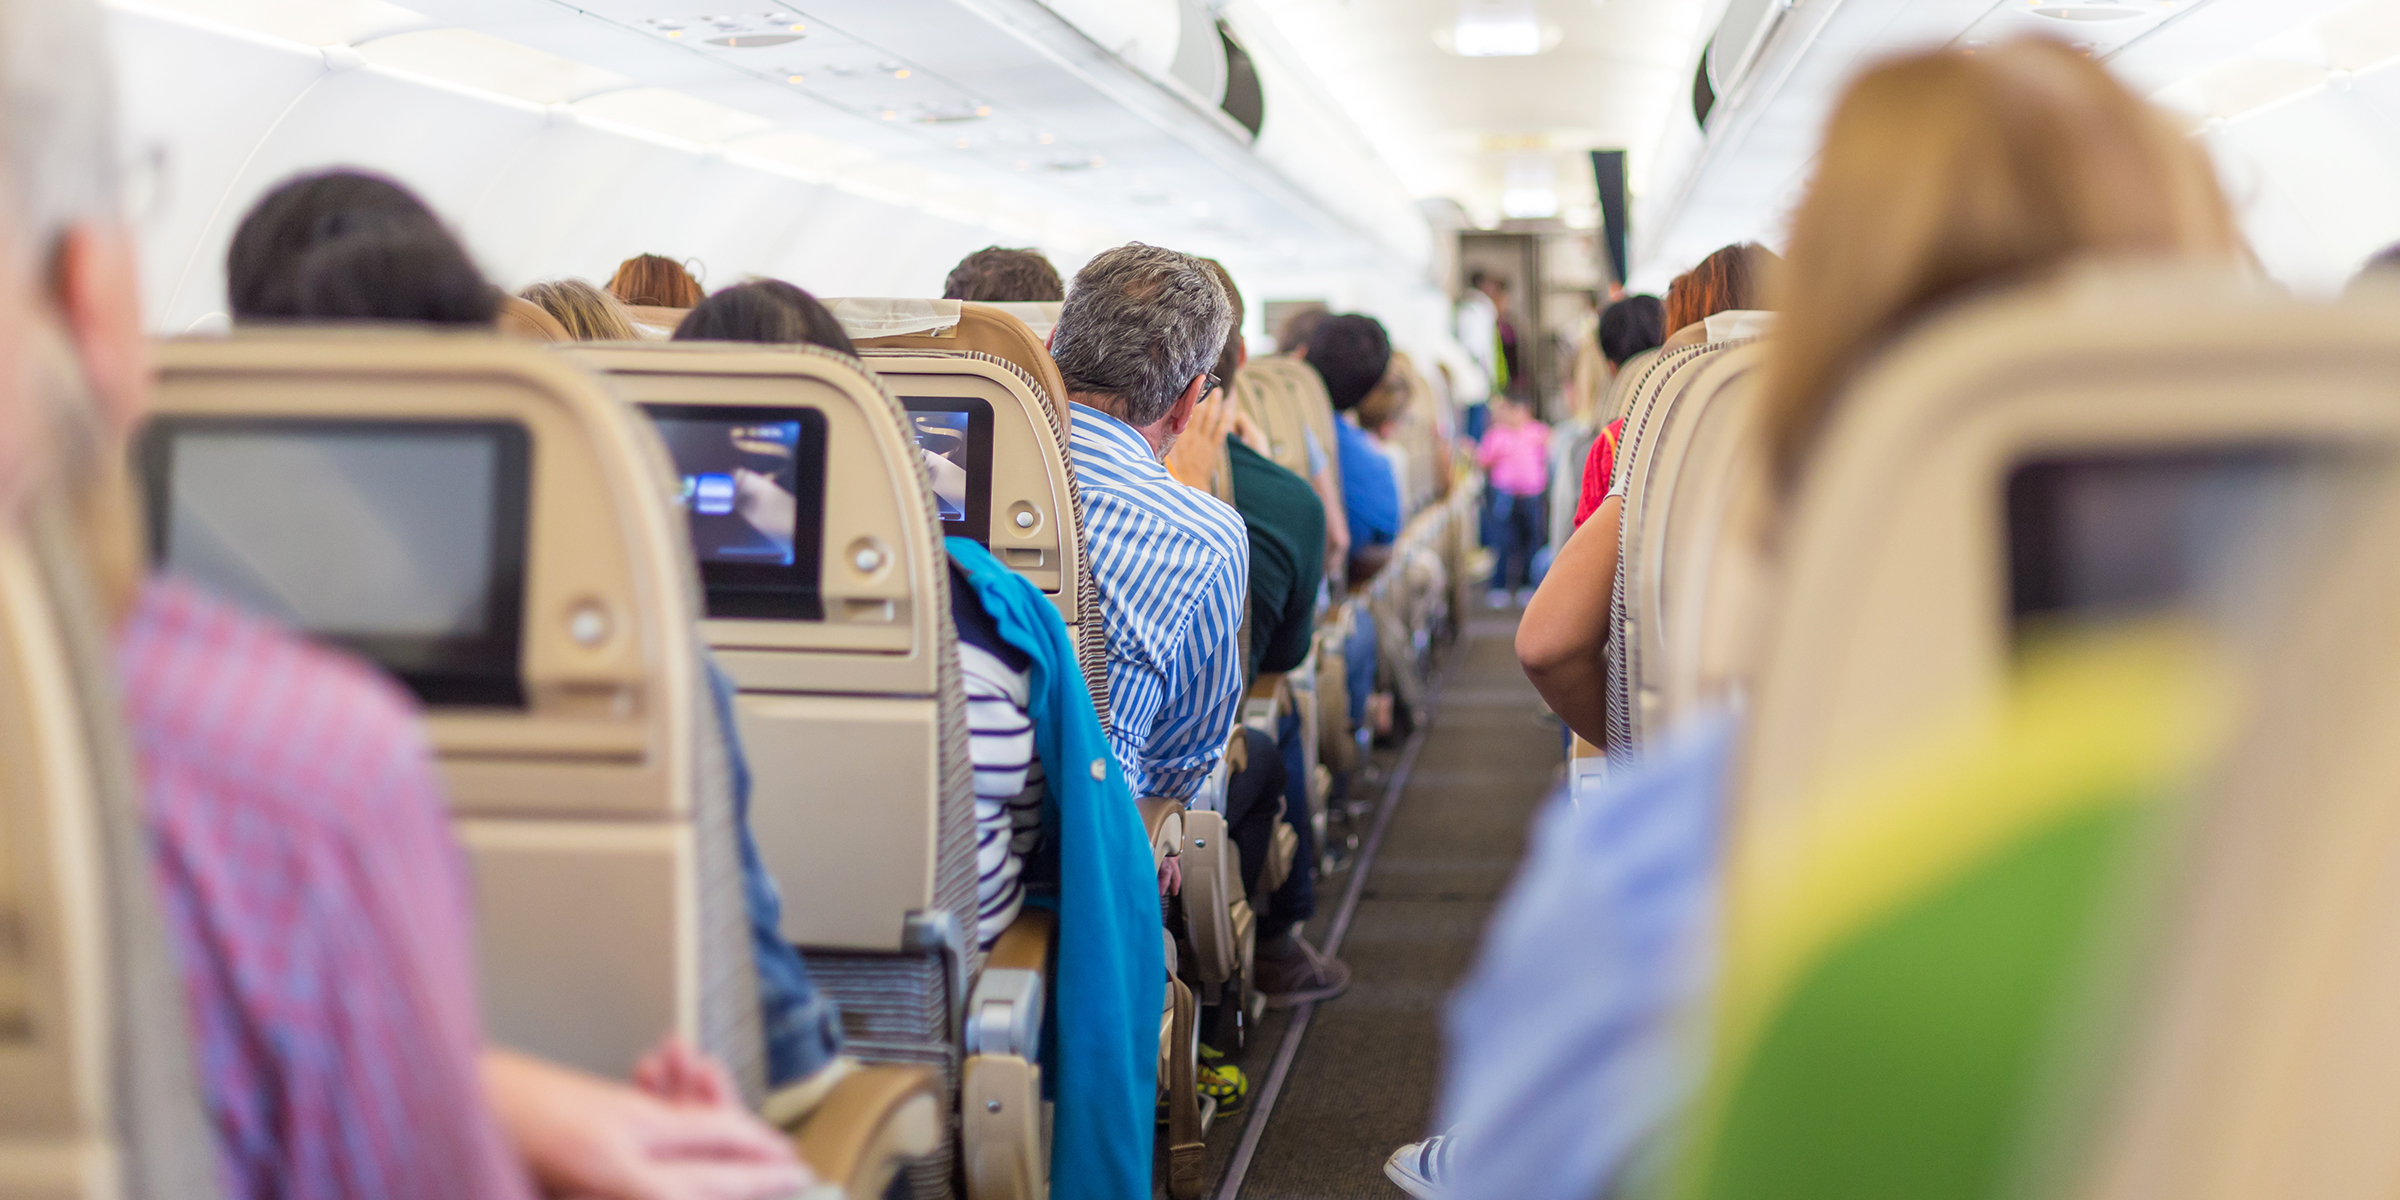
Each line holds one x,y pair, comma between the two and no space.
1364,1078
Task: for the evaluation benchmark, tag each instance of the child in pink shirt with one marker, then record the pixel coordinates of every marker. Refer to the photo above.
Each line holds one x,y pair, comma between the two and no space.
1515,456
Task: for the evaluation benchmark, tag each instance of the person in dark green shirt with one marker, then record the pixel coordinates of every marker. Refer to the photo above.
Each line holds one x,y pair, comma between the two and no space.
1286,522
1287,557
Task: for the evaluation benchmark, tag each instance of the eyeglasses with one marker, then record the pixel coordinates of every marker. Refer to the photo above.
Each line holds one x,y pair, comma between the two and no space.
1213,383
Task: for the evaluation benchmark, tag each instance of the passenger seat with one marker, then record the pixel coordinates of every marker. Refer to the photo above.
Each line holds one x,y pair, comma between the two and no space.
99,1095
485,522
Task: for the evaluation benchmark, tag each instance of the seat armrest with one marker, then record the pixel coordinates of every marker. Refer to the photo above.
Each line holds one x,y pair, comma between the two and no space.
1025,944
875,1118
1004,1013
1162,819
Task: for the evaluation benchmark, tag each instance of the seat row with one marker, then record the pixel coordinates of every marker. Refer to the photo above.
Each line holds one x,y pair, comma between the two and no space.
2122,536
547,547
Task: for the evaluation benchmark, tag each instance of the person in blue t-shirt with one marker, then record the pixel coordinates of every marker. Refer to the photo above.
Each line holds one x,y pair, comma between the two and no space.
1351,352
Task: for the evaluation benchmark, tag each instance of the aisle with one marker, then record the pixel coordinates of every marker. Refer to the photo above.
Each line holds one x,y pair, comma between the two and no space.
1363,1080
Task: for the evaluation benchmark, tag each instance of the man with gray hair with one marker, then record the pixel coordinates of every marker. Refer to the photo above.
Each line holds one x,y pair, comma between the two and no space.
315,903
1136,344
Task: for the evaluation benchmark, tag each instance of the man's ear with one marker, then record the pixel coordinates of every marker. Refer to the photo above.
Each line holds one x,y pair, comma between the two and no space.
1181,415
1241,354
95,284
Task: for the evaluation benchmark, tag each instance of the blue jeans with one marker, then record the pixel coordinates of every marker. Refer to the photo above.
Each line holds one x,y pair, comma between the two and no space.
803,1029
1358,655
1516,534
1296,901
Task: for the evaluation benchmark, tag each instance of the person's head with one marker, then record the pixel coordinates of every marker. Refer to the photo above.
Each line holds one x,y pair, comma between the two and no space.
1727,280
1350,352
1292,339
1231,359
655,281
998,275
1494,287
1385,401
1946,173
349,246
590,315
1630,326
66,256
763,310
1141,329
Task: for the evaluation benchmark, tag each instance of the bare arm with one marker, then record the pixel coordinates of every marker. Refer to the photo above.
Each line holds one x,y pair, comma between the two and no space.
1562,639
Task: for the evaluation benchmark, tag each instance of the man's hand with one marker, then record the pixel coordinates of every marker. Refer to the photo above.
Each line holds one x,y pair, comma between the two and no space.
583,1136
1192,460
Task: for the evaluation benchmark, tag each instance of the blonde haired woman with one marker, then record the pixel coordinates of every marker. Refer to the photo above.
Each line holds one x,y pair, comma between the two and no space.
1942,175
590,315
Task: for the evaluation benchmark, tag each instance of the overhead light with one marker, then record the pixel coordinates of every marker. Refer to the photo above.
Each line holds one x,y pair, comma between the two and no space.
1496,29
2089,12
1529,203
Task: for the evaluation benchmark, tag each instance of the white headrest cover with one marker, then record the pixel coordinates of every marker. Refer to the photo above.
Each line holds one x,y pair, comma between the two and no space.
1040,316
1739,323
867,317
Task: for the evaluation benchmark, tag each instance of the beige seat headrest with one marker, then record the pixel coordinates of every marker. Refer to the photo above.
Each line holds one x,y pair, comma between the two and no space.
522,318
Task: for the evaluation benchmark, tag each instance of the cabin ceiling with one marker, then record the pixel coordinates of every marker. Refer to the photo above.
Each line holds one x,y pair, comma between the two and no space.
1495,132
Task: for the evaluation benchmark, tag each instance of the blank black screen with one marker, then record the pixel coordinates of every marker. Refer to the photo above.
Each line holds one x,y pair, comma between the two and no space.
402,541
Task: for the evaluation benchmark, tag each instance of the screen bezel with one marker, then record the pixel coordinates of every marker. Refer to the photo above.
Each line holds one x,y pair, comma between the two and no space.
977,525
757,591
482,670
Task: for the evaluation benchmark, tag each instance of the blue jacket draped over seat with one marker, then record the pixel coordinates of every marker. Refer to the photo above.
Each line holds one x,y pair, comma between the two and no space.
1100,1036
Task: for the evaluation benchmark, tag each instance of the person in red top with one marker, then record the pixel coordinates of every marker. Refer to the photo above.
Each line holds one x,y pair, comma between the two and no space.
1515,456
1630,326
316,905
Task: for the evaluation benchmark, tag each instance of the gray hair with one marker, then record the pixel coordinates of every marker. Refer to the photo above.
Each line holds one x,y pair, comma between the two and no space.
1139,323
58,117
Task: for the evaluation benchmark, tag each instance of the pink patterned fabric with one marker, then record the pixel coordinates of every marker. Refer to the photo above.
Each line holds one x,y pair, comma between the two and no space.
319,910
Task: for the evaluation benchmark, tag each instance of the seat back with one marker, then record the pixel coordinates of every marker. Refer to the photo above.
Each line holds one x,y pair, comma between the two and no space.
1022,500
522,318
483,520
1674,505
98,1094
846,657
2104,443
1285,396
2257,1064
1654,397
954,325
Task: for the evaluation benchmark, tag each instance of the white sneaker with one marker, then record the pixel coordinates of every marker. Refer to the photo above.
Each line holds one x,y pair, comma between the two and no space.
1420,1167
1496,598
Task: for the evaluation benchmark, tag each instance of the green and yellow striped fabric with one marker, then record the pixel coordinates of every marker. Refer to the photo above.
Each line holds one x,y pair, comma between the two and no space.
1910,959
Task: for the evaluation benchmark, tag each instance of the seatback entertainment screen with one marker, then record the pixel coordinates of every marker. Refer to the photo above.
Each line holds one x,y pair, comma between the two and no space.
752,487
954,437
403,541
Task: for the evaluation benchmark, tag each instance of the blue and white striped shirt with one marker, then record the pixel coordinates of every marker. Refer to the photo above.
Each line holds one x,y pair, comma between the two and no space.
1172,564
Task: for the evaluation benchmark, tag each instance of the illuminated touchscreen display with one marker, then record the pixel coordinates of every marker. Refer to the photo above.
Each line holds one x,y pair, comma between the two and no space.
954,437
752,488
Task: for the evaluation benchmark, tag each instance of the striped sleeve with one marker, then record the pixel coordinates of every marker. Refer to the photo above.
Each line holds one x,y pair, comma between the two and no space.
1008,786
